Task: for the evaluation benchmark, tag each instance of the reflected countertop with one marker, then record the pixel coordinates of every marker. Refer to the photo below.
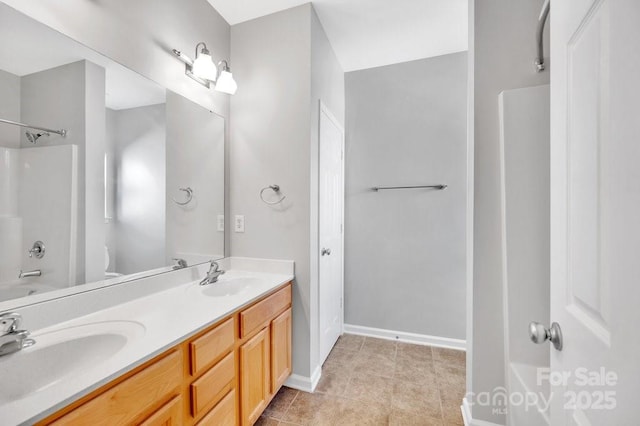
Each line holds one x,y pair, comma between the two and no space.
163,319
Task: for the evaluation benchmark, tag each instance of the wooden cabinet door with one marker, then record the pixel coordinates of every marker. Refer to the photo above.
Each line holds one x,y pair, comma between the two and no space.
224,414
280,350
254,376
169,415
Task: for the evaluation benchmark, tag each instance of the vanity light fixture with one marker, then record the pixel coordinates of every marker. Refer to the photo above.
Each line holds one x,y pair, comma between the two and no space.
203,65
225,82
203,70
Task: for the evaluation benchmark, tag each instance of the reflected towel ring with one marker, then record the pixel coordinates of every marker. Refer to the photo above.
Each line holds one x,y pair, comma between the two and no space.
189,192
274,188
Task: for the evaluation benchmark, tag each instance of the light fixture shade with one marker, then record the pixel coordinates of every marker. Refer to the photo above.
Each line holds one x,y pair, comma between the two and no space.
204,67
226,83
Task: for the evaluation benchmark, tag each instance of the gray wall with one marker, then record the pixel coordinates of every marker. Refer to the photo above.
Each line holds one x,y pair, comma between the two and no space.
195,159
503,47
283,65
270,145
95,134
72,96
139,220
405,250
140,35
9,109
110,186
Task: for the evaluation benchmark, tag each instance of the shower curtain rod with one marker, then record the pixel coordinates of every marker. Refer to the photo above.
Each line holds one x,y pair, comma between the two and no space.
61,132
544,14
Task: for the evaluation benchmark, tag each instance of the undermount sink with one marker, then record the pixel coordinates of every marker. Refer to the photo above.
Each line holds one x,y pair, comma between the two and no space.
227,286
60,353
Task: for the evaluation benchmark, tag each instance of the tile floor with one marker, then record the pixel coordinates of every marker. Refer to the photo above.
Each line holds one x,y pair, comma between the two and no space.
368,381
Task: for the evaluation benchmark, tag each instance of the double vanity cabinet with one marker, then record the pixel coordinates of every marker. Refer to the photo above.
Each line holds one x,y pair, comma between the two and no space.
224,375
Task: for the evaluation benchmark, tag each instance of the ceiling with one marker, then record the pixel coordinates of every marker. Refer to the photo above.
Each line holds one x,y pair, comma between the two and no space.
373,33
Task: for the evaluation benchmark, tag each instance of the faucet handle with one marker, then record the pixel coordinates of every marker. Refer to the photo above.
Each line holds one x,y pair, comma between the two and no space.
38,250
10,321
215,267
180,263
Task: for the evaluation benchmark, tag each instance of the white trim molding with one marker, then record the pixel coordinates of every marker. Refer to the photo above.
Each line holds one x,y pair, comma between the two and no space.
304,383
401,336
470,421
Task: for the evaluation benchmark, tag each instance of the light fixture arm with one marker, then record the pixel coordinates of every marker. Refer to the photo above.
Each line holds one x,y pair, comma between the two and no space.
225,67
204,50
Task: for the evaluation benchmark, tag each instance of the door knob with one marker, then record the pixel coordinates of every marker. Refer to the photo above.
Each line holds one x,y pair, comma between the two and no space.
539,334
325,251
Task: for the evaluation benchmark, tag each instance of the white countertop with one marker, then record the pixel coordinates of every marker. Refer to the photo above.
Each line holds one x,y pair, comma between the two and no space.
163,319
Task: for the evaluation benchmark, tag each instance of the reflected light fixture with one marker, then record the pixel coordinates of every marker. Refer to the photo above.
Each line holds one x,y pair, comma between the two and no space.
204,71
225,82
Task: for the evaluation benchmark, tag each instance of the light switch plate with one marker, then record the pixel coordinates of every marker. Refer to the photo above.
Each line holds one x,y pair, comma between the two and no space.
221,222
239,223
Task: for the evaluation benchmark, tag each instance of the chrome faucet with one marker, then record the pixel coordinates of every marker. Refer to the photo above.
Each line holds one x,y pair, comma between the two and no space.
213,274
12,339
34,273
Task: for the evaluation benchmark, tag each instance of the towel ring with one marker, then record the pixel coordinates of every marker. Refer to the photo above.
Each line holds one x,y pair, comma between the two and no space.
274,188
189,192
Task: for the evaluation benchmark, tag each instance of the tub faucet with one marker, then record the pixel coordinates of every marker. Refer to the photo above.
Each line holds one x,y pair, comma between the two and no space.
213,274
12,339
34,273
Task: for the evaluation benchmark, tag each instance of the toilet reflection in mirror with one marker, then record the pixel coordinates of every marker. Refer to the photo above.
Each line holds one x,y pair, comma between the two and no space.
100,193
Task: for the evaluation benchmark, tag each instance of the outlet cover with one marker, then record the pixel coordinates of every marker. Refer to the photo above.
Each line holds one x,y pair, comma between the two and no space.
239,223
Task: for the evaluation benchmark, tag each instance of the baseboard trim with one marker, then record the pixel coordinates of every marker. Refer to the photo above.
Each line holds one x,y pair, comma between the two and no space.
304,383
470,421
401,336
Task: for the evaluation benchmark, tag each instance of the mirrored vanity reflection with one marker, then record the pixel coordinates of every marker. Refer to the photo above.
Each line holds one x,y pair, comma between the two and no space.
105,176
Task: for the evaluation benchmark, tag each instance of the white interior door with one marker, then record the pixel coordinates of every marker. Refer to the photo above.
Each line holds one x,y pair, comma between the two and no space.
331,223
595,211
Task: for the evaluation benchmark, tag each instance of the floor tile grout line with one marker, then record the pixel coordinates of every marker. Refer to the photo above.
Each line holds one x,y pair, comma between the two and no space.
433,361
284,415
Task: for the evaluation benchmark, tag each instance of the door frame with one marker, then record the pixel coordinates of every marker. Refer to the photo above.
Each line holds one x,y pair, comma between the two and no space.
323,109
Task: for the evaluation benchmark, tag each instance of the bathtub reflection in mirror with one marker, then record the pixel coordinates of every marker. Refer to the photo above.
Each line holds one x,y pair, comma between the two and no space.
133,179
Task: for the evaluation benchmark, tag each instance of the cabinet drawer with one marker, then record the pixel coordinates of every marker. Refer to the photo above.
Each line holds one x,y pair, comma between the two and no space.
213,384
262,312
127,401
169,415
211,346
224,414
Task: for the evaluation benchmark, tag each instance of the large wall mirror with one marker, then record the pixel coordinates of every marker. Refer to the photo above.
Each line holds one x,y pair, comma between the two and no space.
133,180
